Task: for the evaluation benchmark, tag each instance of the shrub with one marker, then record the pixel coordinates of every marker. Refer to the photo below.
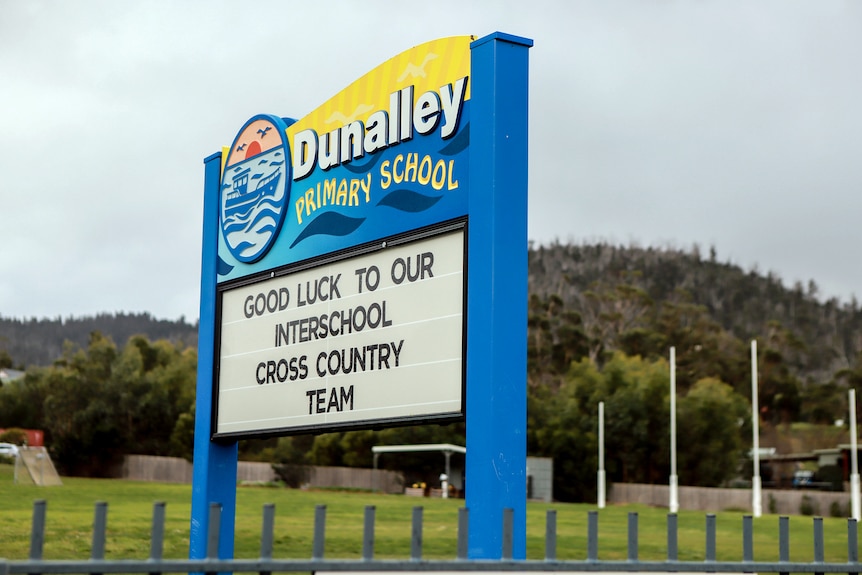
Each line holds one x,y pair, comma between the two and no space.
14,435
807,506
292,475
838,510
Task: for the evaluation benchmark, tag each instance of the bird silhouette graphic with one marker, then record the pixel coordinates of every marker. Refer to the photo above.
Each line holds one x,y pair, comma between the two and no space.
263,131
337,116
240,148
415,71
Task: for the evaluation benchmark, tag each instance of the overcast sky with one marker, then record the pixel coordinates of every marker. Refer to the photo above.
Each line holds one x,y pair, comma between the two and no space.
733,124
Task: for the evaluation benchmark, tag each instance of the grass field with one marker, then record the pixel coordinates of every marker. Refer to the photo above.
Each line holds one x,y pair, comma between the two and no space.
70,510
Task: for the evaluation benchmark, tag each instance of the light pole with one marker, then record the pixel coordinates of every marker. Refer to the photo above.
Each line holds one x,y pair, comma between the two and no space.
854,463
601,474
756,506
674,479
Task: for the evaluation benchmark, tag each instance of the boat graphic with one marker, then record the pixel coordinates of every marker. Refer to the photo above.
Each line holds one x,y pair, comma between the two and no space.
239,201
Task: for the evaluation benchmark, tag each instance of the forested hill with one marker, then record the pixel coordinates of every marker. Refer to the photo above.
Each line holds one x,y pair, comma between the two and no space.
593,299
643,300
601,321
39,342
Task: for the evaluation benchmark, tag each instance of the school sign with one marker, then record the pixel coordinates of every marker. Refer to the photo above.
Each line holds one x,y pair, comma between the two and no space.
365,266
341,255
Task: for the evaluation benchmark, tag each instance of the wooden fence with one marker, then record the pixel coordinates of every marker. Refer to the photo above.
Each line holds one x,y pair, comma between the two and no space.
775,501
177,470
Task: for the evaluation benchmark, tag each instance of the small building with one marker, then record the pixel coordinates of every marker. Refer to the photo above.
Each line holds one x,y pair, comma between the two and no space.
540,478
540,470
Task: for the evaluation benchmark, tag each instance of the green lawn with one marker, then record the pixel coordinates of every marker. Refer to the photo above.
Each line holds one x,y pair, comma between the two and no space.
70,511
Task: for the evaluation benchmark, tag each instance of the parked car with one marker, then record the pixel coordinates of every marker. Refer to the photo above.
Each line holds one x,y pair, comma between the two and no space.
8,450
803,478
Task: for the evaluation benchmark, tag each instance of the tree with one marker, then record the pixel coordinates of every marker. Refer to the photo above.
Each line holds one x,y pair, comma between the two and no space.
290,459
22,402
637,419
326,450
564,425
703,348
5,360
712,420
611,311
356,447
84,435
100,403
778,388
293,450
555,338
559,426
635,391
823,403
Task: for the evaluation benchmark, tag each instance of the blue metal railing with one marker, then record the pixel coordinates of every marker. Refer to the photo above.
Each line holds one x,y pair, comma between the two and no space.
266,564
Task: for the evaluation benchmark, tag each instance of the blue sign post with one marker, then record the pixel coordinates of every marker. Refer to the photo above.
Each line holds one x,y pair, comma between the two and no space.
215,464
497,298
436,161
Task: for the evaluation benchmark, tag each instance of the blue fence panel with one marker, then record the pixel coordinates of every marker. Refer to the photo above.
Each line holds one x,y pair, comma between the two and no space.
266,564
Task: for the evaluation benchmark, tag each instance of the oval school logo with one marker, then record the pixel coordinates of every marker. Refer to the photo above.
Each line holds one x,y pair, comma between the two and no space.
255,187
